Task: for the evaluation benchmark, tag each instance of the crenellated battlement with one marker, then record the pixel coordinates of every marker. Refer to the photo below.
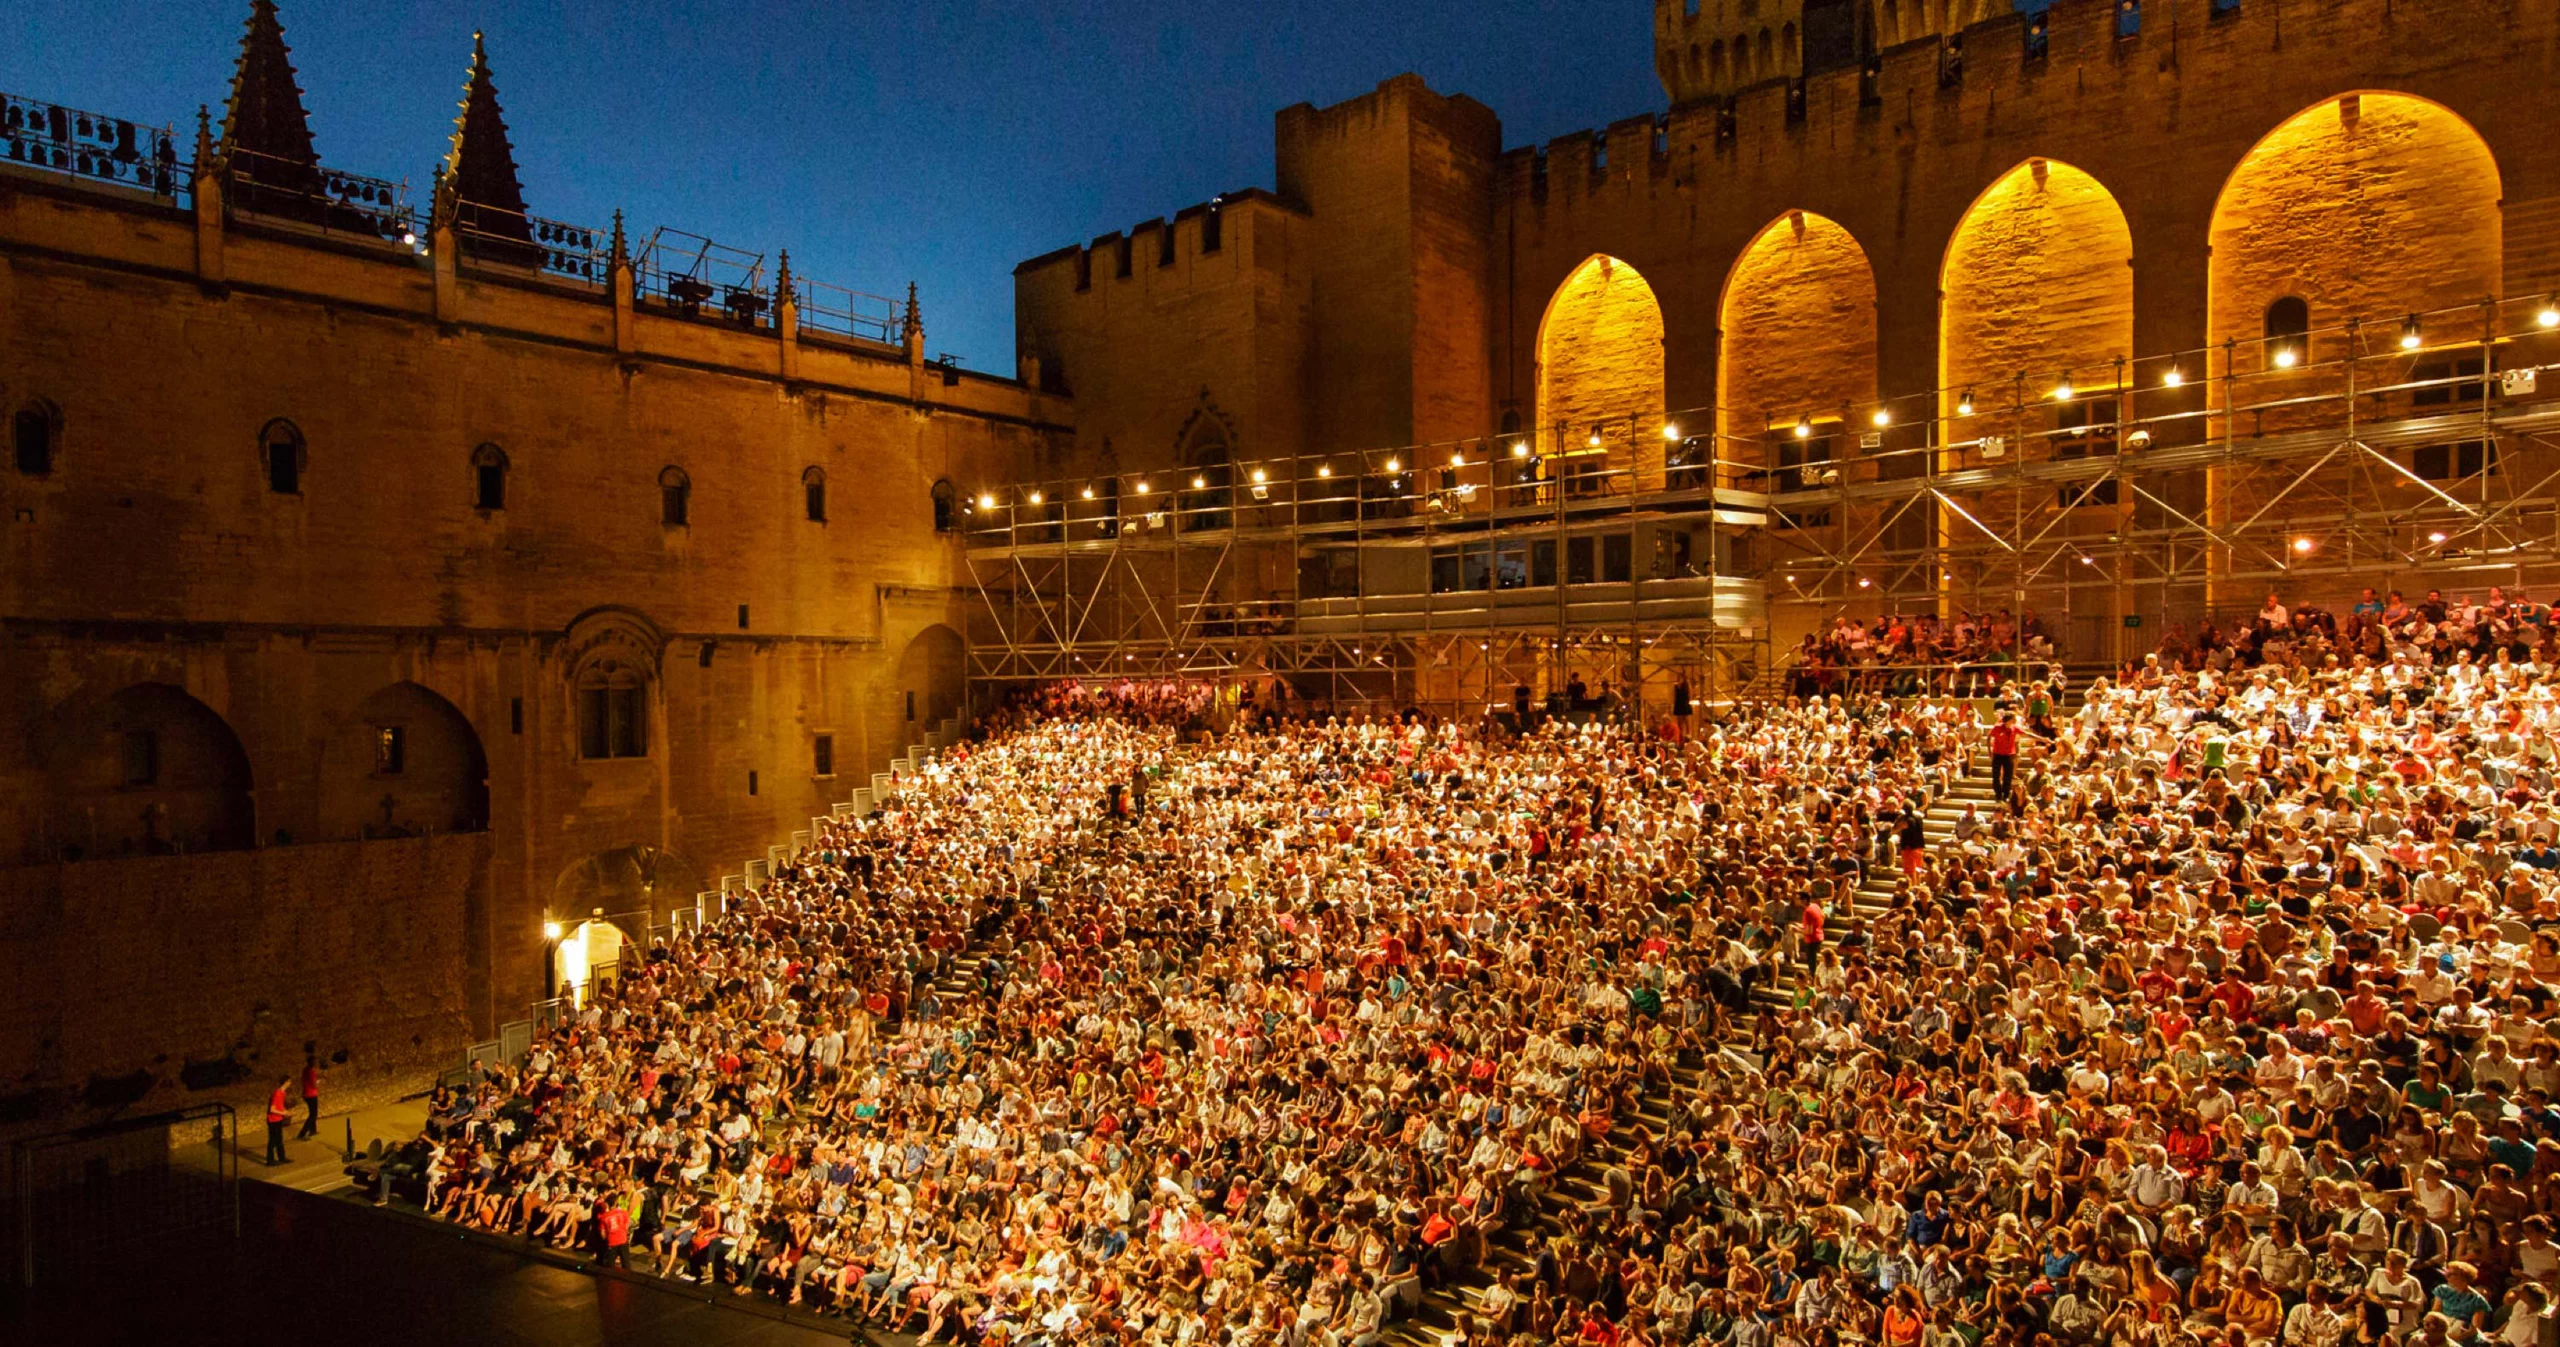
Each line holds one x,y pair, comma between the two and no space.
1999,73
1159,249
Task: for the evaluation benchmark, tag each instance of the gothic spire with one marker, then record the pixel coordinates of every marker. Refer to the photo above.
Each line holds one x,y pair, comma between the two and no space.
481,163
265,115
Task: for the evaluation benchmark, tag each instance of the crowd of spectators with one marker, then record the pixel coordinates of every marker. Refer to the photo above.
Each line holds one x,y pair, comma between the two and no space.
2379,630
1910,653
2227,1024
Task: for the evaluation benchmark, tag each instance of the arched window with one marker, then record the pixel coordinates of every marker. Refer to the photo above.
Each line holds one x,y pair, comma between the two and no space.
946,507
613,711
675,499
813,494
281,448
2288,330
489,478
34,433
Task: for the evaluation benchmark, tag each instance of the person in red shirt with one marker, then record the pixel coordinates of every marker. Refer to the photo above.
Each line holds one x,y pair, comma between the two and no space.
279,1112
310,1095
2004,754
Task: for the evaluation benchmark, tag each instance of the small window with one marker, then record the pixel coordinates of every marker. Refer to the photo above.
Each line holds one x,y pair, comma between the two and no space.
515,715
911,707
390,750
813,494
675,499
489,478
822,755
141,757
613,713
32,435
946,507
751,783
281,445
2288,331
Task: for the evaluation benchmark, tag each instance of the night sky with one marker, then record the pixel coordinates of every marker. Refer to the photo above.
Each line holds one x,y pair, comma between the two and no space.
939,143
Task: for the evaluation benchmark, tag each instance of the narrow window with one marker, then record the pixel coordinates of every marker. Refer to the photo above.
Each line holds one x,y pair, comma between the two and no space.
946,506
2288,330
141,757
390,750
281,445
675,499
751,783
32,440
702,657
742,617
813,494
1212,230
822,755
489,478
911,706
613,713
515,715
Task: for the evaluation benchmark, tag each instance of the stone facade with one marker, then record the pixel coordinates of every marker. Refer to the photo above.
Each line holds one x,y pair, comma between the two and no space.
310,757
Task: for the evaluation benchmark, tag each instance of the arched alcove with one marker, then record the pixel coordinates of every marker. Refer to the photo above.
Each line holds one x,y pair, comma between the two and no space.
933,676
2037,281
1600,362
1798,325
405,763
150,771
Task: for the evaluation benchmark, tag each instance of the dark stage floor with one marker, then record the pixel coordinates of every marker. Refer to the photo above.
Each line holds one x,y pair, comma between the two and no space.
325,1270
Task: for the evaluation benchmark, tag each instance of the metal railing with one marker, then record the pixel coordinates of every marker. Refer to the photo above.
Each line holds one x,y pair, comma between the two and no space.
88,145
102,1200
553,247
315,194
1967,678
835,311
688,273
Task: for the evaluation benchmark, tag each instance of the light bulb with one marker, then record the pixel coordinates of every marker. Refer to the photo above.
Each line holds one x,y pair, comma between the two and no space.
2063,390
2173,378
1964,404
1199,483
1324,470
1395,465
1035,497
2302,545
1670,430
1088,493
1519,448
2550,314
1804,427
1142,488
986,501
1457,460
1882,418
1259,477
2286,357
2409,336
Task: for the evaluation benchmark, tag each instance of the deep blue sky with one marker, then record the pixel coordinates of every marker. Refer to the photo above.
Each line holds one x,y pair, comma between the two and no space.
880,143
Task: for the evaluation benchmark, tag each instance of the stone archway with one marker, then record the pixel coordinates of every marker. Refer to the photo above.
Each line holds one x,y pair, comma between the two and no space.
1600,375
150,771
406,763
1798,324
932,685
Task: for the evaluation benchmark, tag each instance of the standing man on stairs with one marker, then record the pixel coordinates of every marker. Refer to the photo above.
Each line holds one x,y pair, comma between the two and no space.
2004,754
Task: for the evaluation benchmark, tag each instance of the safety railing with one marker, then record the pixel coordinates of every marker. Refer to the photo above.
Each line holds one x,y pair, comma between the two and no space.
689,274
88,145
833,310
553,247
314,194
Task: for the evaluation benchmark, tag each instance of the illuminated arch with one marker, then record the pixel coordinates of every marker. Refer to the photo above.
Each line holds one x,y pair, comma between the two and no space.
2037,280
2369,205
1798,325
1600,361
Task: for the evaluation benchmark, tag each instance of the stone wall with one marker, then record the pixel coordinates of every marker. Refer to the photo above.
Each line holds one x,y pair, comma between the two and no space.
145,984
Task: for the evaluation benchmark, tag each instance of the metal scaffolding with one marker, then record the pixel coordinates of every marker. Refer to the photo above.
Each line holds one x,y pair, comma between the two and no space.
1648,551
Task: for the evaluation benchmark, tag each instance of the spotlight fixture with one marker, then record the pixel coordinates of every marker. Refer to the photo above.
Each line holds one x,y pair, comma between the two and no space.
550,930
1088,493
1035,497
1881,417
1395,465
2549,316
2409,336
1324,470
1594,441
2287,357
2436,538
1670,430
1458,460
1964,403
2302,546
1804,427
2062,391
1863,582
1142,488
2173,377
1519,448
1259,477
2088,561
986,500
